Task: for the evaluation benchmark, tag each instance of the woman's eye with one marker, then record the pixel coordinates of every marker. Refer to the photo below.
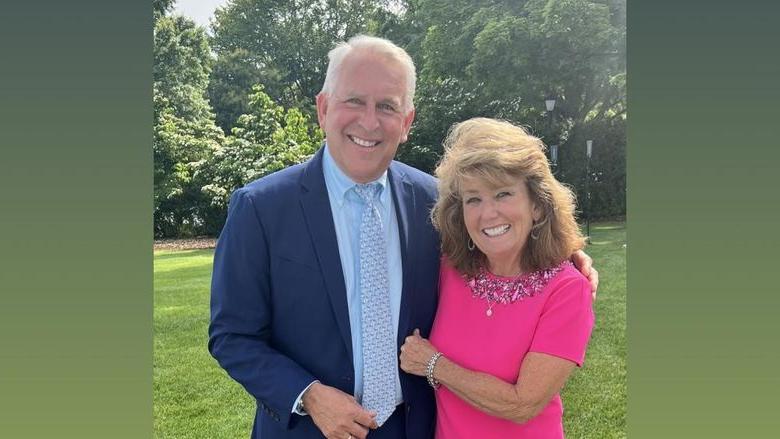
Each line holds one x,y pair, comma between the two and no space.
472,200
503,194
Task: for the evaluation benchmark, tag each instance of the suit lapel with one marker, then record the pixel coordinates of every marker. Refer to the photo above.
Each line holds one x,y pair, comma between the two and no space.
319,220
403,197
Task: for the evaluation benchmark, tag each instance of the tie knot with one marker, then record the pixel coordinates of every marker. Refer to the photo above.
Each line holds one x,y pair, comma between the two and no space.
367,192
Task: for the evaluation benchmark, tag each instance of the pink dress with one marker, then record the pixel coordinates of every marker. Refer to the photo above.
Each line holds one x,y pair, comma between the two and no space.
556,321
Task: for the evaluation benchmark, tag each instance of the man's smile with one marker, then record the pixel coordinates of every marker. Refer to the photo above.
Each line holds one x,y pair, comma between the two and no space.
363,142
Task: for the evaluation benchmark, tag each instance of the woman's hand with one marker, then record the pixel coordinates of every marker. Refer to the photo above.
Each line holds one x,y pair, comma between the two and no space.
415,354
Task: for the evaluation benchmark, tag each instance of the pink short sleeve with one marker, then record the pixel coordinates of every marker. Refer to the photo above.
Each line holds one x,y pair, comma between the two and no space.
567,318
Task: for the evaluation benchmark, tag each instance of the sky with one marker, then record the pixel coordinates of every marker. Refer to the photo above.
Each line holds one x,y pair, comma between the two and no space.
199,10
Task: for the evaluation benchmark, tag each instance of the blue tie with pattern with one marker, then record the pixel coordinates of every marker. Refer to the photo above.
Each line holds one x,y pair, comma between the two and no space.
379,359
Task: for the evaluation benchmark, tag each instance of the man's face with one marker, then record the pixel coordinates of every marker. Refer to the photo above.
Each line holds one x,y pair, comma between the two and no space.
364,119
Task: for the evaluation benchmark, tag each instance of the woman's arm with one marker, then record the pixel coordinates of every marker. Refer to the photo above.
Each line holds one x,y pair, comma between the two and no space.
541,377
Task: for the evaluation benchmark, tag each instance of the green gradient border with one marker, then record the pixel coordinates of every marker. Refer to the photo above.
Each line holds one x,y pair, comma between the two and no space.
76,222
76,185
703,212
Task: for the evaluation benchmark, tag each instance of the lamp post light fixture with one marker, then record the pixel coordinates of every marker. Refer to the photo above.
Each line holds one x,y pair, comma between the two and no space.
588,153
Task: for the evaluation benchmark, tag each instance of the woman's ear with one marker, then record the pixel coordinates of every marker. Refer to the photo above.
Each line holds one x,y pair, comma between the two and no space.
538,212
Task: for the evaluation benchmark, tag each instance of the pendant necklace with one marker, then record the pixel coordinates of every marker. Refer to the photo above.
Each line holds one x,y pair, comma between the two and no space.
494,289
489,311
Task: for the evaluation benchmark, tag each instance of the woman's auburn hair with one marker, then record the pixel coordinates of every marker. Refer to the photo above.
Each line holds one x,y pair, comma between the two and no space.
500,153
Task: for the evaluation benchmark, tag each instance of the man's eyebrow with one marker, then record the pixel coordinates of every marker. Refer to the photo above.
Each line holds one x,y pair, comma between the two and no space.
394,101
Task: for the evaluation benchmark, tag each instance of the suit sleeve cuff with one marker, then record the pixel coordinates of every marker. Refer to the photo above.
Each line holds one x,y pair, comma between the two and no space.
299,401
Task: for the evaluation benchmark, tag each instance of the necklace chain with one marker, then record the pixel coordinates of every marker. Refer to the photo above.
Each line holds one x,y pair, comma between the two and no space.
495,289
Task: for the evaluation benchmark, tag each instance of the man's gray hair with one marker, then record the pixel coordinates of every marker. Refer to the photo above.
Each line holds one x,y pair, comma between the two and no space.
375,45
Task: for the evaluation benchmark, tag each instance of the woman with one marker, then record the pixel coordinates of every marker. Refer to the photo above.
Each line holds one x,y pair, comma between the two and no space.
514,315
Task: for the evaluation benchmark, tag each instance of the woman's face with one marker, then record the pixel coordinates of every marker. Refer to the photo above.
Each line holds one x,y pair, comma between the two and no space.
499,221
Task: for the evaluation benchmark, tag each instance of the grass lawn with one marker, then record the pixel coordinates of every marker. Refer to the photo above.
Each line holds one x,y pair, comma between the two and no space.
194,398
594,399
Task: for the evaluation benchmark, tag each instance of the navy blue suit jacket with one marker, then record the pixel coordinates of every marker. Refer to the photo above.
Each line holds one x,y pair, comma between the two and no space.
279,317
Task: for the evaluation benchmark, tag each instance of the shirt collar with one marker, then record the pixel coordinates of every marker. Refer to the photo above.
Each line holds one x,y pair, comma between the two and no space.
341,183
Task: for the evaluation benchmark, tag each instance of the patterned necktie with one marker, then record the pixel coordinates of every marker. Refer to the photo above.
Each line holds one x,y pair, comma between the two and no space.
379,359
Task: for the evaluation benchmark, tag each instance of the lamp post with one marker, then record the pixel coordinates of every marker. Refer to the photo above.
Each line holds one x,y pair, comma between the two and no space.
588,152
550,105
554,156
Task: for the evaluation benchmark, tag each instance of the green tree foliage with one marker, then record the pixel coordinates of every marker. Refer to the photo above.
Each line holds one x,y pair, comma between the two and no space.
162,7
182,64
232,77
495,58
607,179
288,40
503,58
266,139
184,128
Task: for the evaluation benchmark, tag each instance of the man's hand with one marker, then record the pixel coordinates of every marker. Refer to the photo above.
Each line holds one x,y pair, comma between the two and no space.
337,414
584,263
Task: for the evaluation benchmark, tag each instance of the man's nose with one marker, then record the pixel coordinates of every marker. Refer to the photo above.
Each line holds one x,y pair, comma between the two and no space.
368,120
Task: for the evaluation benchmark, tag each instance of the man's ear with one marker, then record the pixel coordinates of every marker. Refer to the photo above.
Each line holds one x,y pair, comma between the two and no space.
322,108
407,124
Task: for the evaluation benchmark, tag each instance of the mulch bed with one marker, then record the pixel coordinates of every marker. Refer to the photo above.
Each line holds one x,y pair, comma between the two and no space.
185,244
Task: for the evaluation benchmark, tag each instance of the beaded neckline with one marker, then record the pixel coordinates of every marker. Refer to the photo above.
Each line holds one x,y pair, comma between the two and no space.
506,290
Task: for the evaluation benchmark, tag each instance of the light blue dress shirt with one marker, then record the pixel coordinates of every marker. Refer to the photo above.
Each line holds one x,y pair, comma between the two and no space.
347,209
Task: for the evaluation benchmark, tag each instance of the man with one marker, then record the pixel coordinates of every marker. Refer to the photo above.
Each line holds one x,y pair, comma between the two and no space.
323,268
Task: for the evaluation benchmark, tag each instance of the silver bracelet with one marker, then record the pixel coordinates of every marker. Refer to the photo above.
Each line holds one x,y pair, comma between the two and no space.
429,371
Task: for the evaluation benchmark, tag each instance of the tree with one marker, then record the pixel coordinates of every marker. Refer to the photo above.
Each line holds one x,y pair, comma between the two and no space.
288,40
266,139
502,59
161,7
184,128
511,55
232,78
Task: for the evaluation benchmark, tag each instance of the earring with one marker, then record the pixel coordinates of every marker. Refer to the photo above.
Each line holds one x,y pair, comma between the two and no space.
534,228
470,245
